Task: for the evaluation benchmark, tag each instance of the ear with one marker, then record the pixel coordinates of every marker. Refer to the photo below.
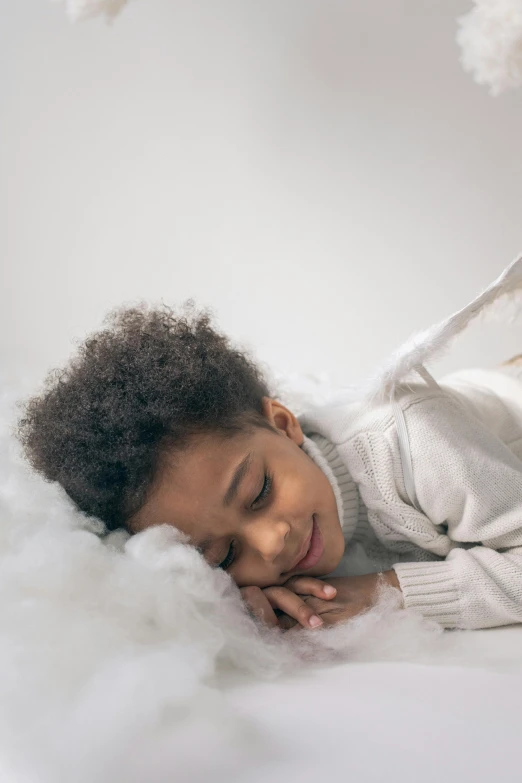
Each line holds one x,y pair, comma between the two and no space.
283,420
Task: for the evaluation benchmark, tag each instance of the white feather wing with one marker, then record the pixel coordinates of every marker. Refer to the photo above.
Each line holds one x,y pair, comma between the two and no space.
428,344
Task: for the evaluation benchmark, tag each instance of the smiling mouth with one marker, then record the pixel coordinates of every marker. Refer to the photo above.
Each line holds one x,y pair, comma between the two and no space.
311,551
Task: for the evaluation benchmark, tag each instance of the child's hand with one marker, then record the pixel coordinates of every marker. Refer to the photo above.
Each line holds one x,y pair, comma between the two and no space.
286,602
355,594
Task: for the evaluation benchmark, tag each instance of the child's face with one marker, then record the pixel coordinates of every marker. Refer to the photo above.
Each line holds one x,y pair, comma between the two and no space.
259,530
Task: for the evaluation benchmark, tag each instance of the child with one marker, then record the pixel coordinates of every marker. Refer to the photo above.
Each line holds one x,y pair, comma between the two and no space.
159,420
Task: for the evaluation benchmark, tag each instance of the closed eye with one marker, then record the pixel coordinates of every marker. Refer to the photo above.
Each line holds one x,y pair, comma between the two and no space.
229,559
265,491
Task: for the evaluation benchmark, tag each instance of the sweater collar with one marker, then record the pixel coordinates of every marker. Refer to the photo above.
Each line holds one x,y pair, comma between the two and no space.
327,458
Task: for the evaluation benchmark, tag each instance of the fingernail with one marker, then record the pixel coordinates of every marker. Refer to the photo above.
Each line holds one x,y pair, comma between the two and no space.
315,621
329,590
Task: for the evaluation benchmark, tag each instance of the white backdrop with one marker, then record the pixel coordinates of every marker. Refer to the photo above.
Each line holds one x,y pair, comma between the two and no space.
320,172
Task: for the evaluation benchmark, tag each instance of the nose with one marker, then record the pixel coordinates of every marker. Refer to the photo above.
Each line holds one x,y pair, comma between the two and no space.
267,537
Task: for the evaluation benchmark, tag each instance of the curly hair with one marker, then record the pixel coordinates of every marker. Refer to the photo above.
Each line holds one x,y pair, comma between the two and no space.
142,385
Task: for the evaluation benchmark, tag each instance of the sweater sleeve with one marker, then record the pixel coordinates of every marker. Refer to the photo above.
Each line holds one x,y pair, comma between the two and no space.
469,489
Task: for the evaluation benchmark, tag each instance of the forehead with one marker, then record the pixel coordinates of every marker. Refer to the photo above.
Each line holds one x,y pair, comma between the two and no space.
191,483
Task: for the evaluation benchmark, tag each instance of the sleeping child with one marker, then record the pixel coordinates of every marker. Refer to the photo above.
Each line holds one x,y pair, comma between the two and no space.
160,420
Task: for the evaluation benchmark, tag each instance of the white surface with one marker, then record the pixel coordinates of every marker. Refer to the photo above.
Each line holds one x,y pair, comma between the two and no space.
323,174
396,724
402,723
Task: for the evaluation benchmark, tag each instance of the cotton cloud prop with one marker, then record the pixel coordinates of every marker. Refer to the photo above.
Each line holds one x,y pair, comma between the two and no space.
115,652
490,37
78,10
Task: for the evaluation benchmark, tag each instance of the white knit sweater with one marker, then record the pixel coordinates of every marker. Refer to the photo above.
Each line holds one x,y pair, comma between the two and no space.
458,554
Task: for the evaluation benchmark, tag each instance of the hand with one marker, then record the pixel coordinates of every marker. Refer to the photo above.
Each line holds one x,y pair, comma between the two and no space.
355,595
277,604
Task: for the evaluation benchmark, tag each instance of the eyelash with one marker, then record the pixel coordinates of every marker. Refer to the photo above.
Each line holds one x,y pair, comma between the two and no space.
265,491
229,559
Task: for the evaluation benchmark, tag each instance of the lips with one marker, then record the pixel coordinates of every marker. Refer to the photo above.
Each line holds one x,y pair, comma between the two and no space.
304,549
312,549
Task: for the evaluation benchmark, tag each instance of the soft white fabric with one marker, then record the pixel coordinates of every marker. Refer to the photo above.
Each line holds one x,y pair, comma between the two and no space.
459,558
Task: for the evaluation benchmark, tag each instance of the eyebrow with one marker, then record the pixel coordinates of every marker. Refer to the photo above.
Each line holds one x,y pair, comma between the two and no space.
230,494
237,478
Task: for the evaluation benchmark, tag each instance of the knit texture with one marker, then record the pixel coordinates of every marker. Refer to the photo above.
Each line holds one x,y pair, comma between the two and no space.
459,558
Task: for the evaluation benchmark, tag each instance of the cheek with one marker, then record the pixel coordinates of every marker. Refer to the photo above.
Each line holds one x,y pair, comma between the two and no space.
252,573
305,479
315,487
297,499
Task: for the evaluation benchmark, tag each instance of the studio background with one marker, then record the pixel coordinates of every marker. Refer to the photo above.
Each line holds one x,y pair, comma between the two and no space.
321,173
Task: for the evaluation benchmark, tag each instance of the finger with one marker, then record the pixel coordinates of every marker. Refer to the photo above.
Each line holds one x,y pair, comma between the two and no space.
343,614
287,622
293,605
309,585
259,605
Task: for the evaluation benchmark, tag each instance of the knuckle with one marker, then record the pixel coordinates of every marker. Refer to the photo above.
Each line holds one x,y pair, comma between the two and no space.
276,591
250,592
304,584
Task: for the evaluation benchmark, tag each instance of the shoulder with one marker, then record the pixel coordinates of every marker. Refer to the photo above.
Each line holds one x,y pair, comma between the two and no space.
341,423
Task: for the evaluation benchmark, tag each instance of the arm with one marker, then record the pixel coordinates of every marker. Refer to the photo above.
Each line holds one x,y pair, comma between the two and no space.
469,487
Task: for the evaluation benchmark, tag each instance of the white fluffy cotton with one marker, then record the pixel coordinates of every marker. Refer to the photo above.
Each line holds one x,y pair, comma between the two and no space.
77,10
116,653
490,37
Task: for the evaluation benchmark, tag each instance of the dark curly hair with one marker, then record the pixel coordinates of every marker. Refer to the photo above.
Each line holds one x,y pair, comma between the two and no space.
142,385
